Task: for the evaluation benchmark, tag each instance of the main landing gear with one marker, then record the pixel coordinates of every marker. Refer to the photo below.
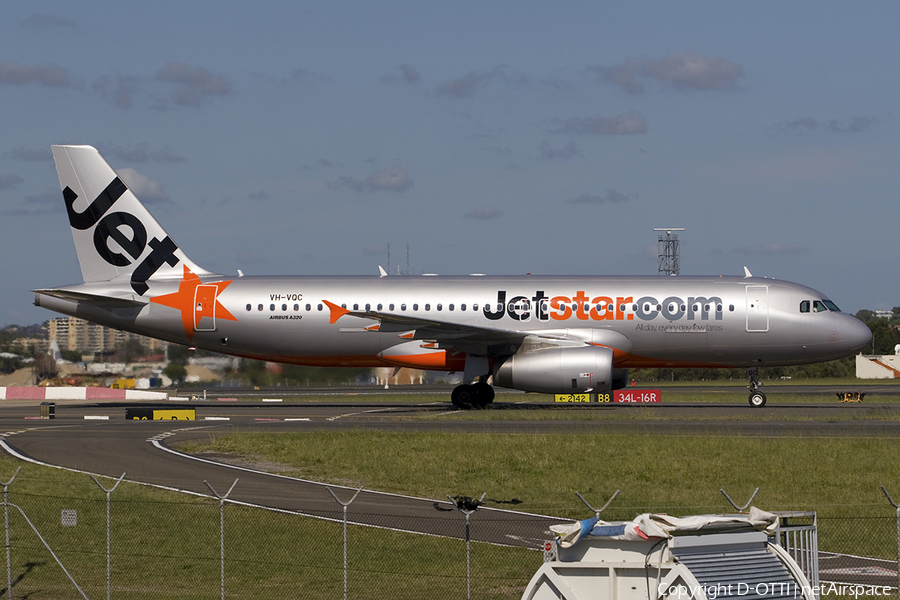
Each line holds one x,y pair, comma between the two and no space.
476,395
757,398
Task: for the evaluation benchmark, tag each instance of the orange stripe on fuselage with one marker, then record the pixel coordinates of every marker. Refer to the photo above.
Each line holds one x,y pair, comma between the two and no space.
433,361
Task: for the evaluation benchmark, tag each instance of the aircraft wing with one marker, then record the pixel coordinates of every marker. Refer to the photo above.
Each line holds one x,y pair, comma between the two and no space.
479,341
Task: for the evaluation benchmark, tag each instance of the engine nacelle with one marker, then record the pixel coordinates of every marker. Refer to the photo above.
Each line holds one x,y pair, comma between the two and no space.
562,370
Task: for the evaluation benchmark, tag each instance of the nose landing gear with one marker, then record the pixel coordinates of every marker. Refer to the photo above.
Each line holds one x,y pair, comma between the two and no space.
757,398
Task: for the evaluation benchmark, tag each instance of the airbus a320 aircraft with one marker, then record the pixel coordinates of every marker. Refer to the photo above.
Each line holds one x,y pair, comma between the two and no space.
548,334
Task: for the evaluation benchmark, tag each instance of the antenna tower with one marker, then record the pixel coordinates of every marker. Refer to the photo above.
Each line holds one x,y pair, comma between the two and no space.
669,259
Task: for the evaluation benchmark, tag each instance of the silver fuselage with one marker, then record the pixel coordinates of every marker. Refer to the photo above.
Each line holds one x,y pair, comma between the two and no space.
648,321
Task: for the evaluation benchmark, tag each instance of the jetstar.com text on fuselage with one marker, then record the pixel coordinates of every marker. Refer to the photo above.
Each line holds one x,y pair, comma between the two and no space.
603,308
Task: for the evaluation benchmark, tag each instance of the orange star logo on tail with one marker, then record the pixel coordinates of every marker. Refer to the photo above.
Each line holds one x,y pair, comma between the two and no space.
196,300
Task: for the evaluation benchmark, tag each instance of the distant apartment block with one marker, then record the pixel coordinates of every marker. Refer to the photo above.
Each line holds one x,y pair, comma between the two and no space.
83,336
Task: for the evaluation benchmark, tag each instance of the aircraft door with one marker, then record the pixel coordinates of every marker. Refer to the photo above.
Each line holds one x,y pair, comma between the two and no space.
757,308
205,308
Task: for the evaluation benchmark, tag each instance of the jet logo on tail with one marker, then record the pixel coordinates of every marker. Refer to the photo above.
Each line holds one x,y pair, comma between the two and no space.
132,238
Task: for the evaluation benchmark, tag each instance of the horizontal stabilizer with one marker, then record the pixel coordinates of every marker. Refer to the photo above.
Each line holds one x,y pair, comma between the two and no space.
95,299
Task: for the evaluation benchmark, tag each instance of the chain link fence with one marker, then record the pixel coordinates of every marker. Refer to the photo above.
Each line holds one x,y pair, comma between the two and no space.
167,545
170,546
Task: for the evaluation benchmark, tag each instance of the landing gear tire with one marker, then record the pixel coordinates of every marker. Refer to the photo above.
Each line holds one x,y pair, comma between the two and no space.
462,397
477,395
757,399
484,394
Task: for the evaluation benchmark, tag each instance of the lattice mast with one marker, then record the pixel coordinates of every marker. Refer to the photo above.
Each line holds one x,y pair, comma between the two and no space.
669,259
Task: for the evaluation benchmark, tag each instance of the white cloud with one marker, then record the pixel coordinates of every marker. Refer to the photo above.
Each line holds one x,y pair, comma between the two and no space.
681,70
626,124
471,82
39,21
408,74
852,125
195,84
392,179
690,70
612,196
464,86
118,89
49,75
8,182
547,152
47,202
484,213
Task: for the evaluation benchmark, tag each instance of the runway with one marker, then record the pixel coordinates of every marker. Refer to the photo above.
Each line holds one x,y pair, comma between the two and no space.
97,439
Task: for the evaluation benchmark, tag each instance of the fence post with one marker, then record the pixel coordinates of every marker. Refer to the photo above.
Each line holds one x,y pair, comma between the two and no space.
221,528
897,506
467,506
345,505
6,485
740,509
108,492
605,506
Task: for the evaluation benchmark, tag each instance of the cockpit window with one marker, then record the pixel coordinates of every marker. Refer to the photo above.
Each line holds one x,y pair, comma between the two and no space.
804,306
819,306
831,305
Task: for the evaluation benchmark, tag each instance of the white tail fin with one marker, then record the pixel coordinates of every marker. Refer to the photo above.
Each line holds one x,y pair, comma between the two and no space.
115,235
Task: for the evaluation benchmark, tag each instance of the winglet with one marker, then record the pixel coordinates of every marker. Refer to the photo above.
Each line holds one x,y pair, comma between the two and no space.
747,273
381,271
336,311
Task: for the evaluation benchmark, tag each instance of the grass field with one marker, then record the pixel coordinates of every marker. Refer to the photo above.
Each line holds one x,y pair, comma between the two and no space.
674,474
839,477
166,544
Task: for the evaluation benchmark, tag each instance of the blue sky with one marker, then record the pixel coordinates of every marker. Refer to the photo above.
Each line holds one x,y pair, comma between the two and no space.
499,138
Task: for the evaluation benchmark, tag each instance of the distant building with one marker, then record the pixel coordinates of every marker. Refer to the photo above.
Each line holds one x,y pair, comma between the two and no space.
884,314
71,333
30,345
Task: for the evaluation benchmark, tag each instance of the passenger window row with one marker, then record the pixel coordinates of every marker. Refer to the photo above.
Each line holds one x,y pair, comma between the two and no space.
368,307
545,306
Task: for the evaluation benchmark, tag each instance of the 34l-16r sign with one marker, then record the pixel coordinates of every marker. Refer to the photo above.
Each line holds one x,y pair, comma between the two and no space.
632,396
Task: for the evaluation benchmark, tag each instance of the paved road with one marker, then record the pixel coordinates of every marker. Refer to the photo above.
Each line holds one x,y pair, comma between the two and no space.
139,448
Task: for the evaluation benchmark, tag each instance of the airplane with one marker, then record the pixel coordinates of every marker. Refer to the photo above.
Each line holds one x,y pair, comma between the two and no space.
547,334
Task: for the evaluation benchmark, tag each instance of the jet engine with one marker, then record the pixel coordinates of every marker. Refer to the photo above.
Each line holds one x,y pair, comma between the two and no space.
562,370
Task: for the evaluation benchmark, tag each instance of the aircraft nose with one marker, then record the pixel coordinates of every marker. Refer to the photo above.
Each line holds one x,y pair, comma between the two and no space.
856,334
